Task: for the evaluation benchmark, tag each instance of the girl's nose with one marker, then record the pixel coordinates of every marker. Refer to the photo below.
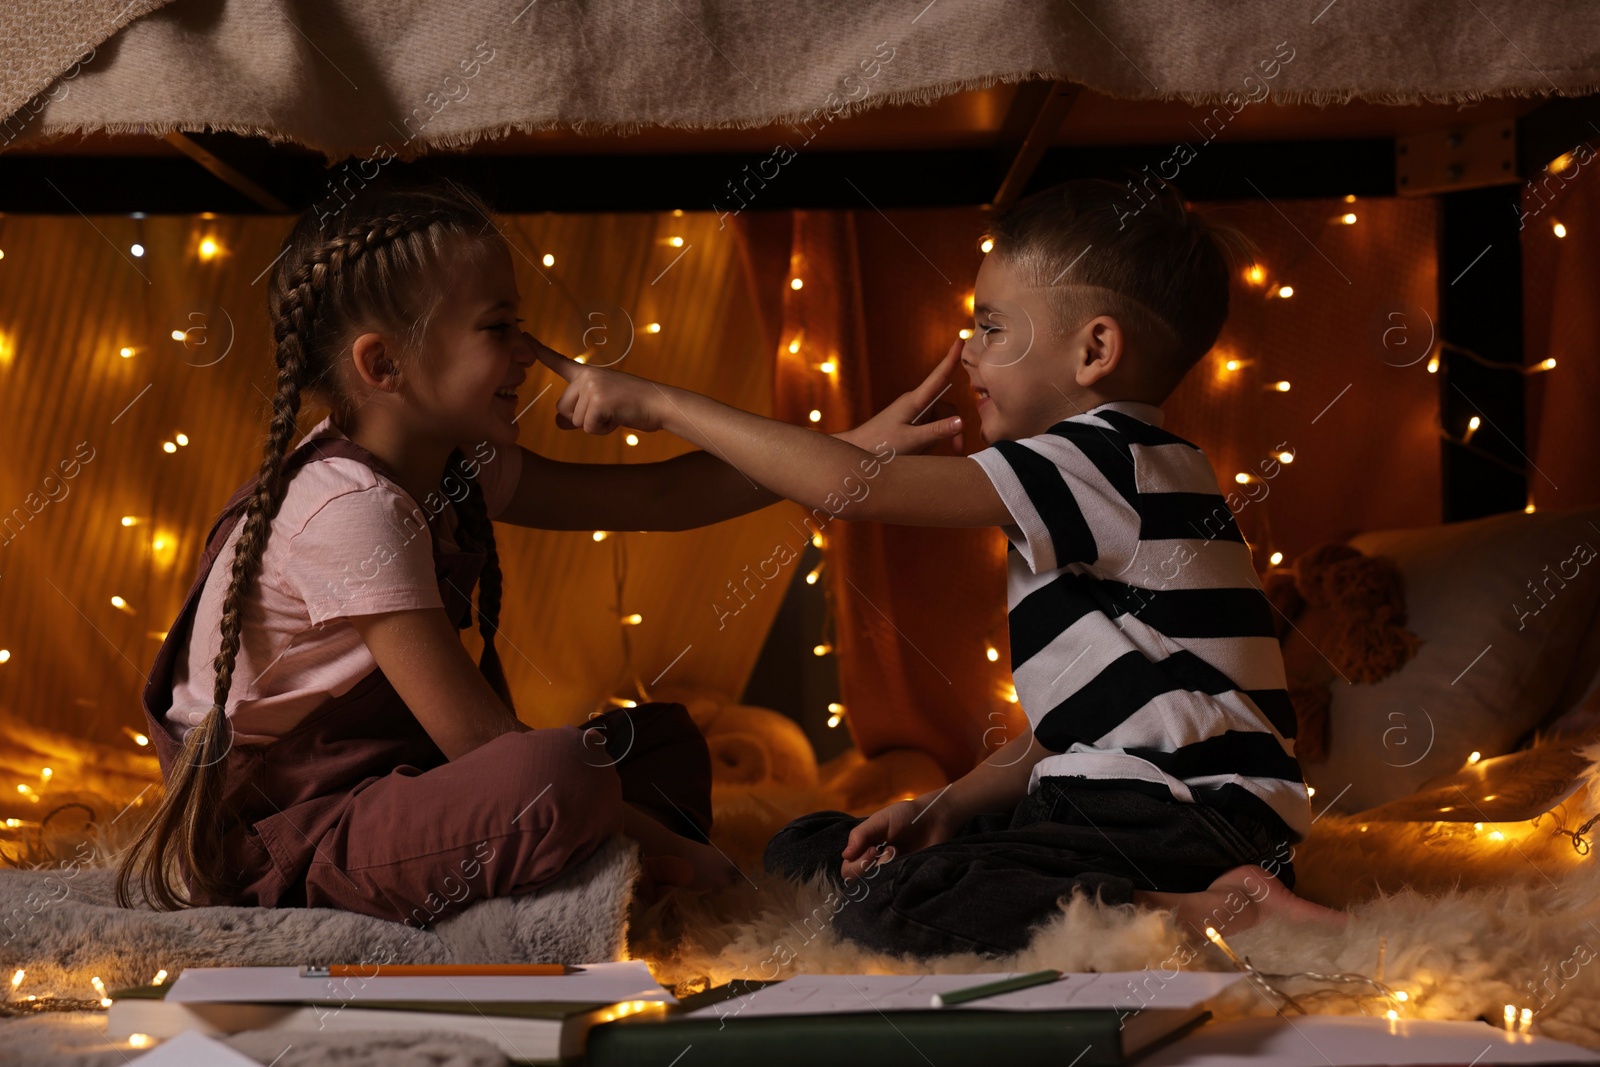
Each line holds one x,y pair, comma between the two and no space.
530,345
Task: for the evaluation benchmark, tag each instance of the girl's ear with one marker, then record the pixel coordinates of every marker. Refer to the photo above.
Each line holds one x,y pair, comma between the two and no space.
372,361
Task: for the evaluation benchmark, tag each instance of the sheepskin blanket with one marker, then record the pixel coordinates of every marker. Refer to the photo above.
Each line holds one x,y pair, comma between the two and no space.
63,927
378,80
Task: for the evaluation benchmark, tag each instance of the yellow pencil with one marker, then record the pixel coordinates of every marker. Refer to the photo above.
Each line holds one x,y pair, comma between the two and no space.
434,970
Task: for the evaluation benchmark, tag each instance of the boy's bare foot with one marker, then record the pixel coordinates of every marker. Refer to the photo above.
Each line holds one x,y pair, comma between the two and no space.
1238,900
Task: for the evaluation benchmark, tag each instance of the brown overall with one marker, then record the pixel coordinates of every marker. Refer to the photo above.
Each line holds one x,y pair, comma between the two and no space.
357,808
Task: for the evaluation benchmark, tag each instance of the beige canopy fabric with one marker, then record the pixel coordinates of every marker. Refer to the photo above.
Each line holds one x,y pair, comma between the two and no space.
357,77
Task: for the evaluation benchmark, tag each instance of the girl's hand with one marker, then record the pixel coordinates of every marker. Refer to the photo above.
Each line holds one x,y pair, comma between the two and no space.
906,826
598,400
900,424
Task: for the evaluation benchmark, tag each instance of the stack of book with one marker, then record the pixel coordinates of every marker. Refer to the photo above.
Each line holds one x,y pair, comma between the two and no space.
616,1014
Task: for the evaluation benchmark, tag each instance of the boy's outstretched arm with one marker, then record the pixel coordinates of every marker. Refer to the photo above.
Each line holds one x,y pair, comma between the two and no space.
810,468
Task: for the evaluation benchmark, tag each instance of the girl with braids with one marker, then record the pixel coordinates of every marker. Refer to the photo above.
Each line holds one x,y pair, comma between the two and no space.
325,739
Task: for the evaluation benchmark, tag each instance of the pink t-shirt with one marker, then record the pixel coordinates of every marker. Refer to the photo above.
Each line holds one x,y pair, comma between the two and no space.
345,542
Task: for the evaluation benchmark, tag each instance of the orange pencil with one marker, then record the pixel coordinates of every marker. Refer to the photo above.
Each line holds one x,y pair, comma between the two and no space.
434,970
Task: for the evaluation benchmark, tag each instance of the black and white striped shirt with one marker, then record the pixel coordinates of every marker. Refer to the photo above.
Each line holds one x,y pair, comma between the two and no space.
1142,645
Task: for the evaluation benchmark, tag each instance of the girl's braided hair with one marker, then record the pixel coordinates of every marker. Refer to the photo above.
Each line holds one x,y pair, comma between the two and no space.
371,264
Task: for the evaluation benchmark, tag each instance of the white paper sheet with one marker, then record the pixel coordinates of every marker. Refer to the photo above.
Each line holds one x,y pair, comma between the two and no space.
1358,1041
193,1049
599,982
827,994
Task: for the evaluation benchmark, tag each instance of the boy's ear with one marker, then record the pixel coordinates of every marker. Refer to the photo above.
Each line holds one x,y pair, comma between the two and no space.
372,361
1099,349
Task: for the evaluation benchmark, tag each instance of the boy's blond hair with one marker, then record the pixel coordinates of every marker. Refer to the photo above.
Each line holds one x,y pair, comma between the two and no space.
1161,270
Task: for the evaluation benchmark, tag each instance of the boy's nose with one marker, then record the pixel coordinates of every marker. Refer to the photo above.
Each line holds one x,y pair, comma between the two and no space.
530,345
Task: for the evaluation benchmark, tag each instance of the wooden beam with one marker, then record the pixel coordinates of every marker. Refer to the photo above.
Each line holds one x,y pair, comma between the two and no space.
1030,127
227,173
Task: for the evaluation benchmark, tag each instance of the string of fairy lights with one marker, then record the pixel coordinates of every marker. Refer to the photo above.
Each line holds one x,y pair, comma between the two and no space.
208,248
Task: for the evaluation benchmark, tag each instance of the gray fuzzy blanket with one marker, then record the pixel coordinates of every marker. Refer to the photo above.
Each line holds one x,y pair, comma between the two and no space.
63,928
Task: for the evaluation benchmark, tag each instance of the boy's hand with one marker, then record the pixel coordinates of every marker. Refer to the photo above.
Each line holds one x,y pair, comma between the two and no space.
906,826
899,424
598,400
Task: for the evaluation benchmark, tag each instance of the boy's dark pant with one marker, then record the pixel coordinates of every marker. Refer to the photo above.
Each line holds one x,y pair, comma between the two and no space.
984,890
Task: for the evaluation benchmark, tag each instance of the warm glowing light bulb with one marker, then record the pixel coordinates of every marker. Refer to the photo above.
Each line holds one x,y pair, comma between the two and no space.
632,620
1529,509
1242,478
821,650
796,283
141,740
24,789
833,720
1276,558
1559,230
835,714
827,366
118,602
136,249
168,446
632,439
5,655
1433,364
129,520
1282,387
209,248
654,327
1348,218
600,535
811,579
1285,457
815,415
986,245
178,335
1474,758
161,976
1256,274
969,302
1391,1015
1474,422
138,1040
817,540
1311,790
964,334
794,347
45,773
1232,364
675,242
1011,694
991,653
1511,1014
1401,995
1285,291
182,438
16,979
125,352
1548,364
548,260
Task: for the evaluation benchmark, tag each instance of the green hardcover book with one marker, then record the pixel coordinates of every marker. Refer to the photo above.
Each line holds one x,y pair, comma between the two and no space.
1080,1038
527,1032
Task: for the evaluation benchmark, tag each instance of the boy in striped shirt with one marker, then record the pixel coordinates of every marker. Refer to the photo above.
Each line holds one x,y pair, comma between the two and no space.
1160,767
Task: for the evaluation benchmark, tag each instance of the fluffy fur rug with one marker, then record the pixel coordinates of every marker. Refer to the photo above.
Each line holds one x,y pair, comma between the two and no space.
1465,919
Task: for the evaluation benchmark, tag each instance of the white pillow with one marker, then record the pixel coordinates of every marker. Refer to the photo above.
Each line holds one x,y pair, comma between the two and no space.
1502,605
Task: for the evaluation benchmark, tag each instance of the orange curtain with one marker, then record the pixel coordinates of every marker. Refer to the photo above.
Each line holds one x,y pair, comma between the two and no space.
1561,317
83,427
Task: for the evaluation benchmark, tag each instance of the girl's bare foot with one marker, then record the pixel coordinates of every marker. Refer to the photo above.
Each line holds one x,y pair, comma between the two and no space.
1238,900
